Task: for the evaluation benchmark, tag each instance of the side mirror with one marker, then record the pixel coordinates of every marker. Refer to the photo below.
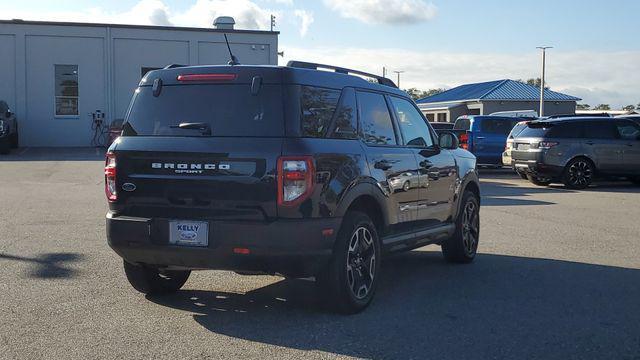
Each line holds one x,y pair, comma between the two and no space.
448,140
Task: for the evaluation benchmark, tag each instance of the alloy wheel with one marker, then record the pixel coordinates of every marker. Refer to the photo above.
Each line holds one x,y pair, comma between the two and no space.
361,262
470,227
580,173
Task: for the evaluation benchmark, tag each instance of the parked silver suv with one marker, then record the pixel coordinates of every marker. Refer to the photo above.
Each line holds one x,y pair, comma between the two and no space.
575,150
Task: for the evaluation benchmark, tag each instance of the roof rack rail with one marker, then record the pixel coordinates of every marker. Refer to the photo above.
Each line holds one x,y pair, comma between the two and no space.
308,65
173,66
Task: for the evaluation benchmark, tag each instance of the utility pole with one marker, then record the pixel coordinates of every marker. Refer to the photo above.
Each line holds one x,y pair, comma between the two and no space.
544,56
273,22
398,72
384,71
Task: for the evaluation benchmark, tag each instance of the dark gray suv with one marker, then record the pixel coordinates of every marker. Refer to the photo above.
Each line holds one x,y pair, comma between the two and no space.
575,150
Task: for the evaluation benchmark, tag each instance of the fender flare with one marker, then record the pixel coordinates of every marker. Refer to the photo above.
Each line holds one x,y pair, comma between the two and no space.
470,177
366,188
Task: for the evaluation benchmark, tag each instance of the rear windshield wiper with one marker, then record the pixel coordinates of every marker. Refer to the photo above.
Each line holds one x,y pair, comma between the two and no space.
205,127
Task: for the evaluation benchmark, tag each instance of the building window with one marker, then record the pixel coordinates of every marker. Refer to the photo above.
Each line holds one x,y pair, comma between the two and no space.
66,90
442,117
145,70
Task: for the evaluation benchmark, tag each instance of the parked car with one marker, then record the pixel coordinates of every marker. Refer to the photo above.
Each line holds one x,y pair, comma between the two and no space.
437,126
485,136
525,114
506,155
208,175
8,128
576,150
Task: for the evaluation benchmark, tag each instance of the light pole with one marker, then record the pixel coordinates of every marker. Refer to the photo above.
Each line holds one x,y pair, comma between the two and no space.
399,72
544,56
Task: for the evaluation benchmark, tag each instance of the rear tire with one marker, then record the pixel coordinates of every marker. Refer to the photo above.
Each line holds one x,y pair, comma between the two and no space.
578,174
523,176
149,280
538,181
463,245
349,282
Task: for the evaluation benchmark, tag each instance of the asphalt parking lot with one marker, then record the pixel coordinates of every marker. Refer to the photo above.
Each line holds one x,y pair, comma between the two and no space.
558,277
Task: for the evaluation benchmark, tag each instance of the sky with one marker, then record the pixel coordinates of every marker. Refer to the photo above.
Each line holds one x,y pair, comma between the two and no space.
437,43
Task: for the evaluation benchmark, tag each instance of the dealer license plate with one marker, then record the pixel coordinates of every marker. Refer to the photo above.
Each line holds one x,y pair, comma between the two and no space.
188,233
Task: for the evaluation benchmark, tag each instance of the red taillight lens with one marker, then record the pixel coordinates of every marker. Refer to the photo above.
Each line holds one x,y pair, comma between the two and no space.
295,179
546,144
207,77
110,177
464,141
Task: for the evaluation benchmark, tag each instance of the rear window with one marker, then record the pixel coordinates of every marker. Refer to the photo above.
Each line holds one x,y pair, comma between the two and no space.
462,124
517,129
497,126
229,110
537,131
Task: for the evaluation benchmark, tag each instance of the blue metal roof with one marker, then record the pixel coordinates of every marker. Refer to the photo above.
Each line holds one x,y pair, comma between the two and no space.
509,90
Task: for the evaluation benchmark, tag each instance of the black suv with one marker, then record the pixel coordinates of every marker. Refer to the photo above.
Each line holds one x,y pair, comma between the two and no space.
282,170
575,150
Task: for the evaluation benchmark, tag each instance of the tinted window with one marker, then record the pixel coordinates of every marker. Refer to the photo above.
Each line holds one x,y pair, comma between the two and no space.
570,130
230,110
628,130
600,130
462,124
317,108
413,127
376,120
517,129
533,132
497,126
344,124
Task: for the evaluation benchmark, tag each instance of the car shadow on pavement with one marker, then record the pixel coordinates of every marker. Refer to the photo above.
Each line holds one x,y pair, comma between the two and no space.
495,193
50,265
498,307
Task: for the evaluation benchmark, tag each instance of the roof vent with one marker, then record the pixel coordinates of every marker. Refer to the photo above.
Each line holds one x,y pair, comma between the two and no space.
224,22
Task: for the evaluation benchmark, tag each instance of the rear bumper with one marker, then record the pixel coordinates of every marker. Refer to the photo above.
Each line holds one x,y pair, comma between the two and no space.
537,169
290,247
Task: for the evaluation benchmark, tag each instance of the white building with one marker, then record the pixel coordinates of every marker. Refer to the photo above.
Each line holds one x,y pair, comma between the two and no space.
55,76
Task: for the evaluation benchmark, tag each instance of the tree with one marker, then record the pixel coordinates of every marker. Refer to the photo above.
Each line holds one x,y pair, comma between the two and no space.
628,108
419,94
602,107
533,82
583,106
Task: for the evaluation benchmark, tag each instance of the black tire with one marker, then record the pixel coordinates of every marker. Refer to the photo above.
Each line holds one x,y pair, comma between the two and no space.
406,186
349,282
539,181
635,180
523,176
579,173
14,140
463,245
149,280
5,145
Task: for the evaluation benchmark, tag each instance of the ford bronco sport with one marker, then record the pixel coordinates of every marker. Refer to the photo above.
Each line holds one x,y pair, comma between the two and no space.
283,170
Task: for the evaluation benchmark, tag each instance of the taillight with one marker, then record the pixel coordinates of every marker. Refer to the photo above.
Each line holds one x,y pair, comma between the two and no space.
295,179
464,141
110,177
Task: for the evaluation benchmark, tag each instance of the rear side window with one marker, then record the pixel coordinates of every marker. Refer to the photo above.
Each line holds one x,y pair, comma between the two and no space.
229,110
344,124
377,127
462,124
600,130
571,130
317,108
497,126
628,130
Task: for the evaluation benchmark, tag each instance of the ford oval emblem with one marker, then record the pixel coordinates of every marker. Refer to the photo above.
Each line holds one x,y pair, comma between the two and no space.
128,187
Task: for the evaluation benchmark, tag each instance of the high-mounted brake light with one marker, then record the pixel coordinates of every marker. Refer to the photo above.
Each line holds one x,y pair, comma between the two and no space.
295,179
207,77
110,177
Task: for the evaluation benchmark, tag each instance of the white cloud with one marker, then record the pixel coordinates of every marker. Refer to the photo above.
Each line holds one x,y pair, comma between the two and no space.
306,19
246,13
596,77
390,12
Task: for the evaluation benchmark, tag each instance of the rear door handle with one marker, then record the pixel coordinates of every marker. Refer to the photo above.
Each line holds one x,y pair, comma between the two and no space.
382,165
589,142
480,137
426,164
